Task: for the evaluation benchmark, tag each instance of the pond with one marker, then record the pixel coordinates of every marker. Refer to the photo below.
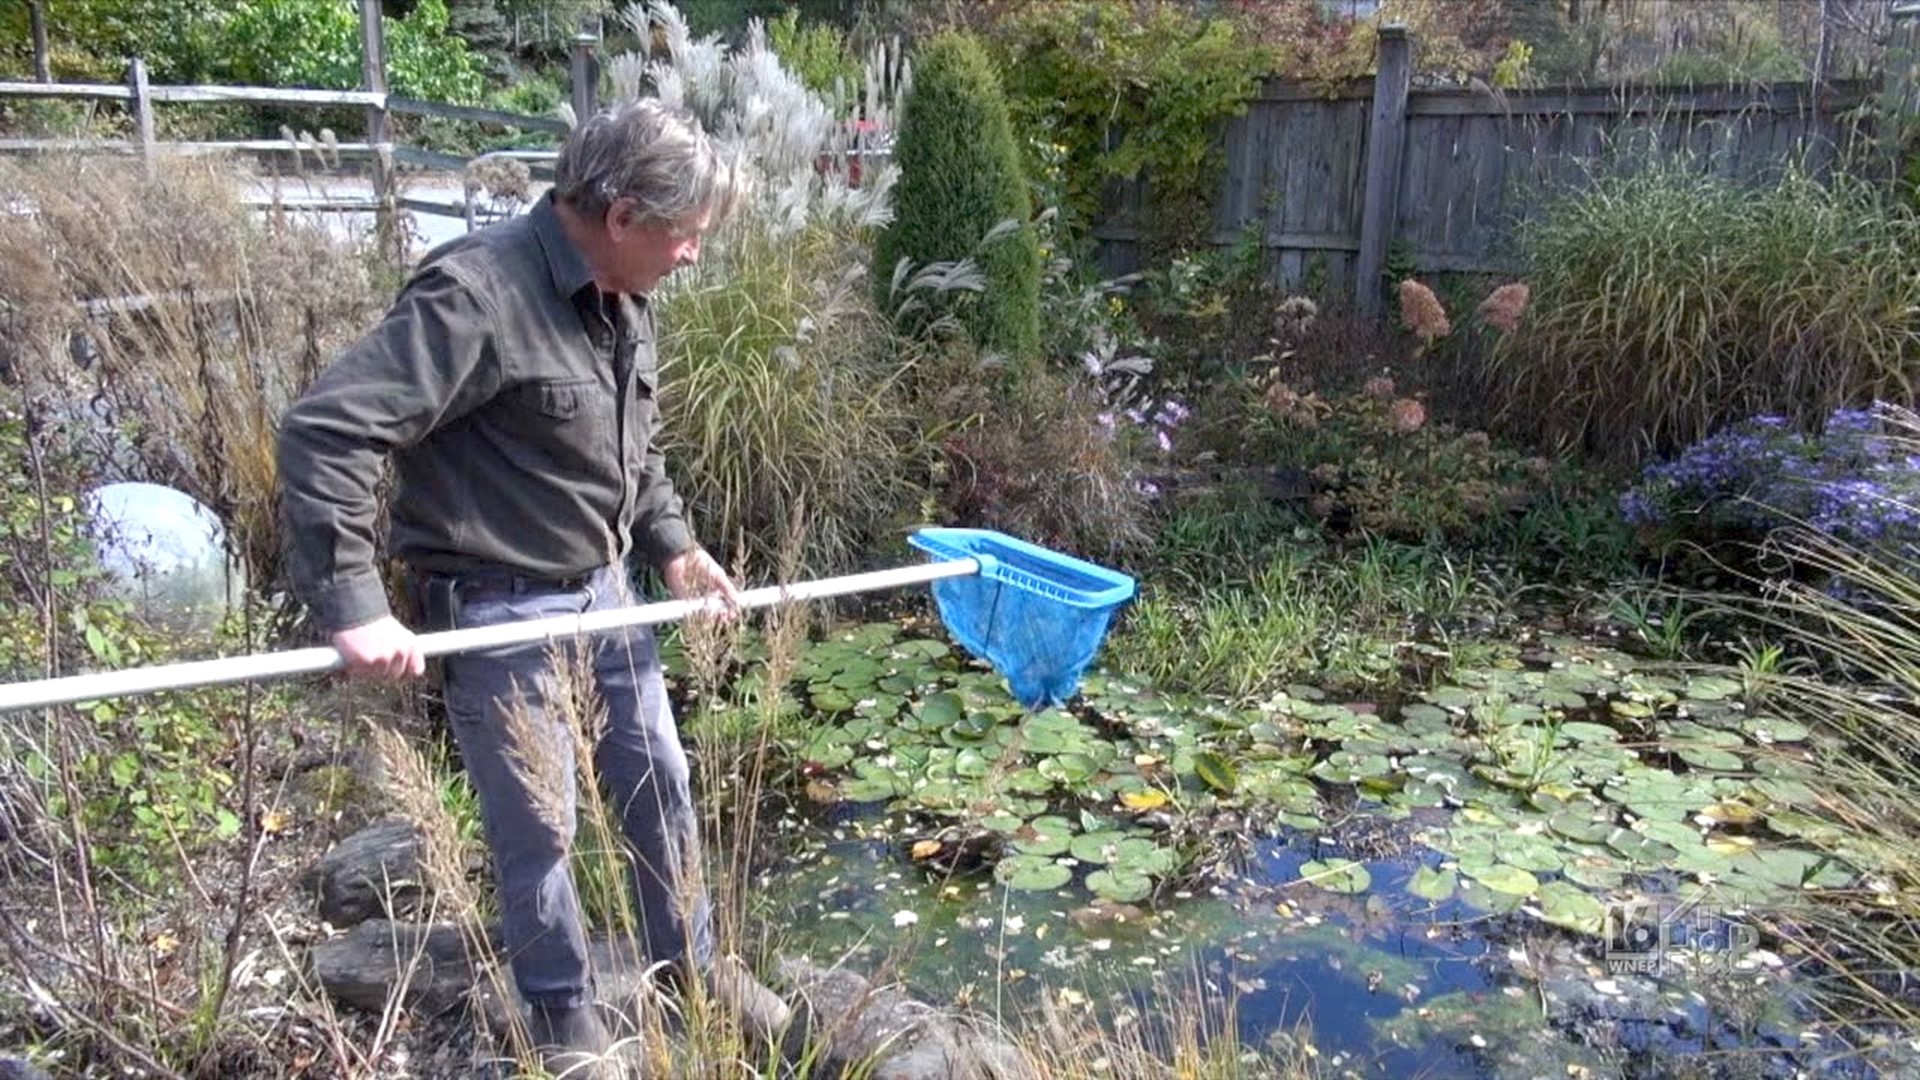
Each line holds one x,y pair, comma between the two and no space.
1552,866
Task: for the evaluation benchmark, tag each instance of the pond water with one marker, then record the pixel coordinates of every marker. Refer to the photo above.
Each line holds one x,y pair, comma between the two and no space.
1549,868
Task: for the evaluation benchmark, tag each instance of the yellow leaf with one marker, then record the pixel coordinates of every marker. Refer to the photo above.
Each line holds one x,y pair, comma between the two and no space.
1730,813
275,822
925,849
164,944
1729,845
1143,800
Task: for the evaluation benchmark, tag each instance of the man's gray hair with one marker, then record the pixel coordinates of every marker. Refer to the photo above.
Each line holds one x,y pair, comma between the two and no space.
649,152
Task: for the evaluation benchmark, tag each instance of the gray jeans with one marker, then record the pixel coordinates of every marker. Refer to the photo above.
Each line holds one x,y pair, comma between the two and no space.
518,742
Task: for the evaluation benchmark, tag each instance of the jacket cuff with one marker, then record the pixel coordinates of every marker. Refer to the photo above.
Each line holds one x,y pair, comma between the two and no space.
664,539
350,603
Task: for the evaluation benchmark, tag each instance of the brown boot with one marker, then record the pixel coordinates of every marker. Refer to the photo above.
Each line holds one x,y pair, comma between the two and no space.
730,988
573,1043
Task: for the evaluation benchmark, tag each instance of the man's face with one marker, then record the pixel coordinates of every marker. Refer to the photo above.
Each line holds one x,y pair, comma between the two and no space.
647,251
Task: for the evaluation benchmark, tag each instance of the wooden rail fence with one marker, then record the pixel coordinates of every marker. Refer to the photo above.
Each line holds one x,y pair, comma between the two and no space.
383,155
1340,185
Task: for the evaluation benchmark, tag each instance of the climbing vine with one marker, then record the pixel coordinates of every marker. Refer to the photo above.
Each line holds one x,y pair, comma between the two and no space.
1113,95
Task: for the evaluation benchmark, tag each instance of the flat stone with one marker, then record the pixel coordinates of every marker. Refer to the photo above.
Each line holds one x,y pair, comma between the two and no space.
376,873
429,966
850,1027
15,1069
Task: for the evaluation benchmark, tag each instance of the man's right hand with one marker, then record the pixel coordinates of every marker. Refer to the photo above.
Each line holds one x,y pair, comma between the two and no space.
382,649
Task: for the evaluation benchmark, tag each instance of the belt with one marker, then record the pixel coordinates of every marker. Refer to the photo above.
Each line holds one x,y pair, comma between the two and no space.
507,581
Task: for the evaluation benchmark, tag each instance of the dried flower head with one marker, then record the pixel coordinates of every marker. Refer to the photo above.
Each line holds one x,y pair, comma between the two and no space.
499,177
1407,415
1282,399
1504,306
1294,317
1379,388
1420,310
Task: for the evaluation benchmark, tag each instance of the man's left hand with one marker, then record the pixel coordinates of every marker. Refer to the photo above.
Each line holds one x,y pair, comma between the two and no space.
695,573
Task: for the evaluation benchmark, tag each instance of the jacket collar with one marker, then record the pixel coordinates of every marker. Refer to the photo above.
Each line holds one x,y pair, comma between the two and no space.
564,262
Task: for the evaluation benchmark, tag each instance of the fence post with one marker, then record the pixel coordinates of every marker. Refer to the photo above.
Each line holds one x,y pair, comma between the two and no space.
373,79
1386,146
141,106
37,29
585,72
1900,84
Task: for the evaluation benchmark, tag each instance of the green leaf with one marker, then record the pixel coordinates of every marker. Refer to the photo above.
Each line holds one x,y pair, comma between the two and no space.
1569,906
1585,731
1337,875
1031,873
1119,885
1216,772
1096,847
1430,883
943,709
1712,757
1044,836
1502,878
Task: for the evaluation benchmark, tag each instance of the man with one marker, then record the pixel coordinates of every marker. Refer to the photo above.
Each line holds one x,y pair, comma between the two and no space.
512,384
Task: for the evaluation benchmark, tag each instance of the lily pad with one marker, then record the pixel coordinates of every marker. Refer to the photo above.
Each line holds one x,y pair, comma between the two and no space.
1095,847
1477,896
1117,884
1595,869
1031,873
1591,824
1433,884
1068,769
1502,877
1216,772
1569,906
1712,688
1337,875
1044,836
1712,757
1794,869
1531,853
1773,729
869,788
1586,731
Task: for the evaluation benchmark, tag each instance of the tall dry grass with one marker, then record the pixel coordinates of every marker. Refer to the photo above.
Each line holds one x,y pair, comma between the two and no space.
167,325
1668,301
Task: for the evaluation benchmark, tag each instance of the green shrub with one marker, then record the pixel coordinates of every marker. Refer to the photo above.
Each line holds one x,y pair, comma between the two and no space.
960,177
145,777
1126,96
316,43
1669,302
817,52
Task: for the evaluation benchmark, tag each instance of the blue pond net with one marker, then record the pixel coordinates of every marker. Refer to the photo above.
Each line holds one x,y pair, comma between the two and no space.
1036,615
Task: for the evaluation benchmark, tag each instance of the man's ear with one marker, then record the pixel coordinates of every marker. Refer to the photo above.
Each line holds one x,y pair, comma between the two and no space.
620,217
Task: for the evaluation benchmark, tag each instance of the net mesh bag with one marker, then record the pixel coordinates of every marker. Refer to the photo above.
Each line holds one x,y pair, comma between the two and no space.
1036,615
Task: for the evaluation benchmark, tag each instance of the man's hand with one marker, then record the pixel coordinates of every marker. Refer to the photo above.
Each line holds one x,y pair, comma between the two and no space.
382,649
694,573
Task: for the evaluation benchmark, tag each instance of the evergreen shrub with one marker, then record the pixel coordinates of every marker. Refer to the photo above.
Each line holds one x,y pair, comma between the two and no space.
960,176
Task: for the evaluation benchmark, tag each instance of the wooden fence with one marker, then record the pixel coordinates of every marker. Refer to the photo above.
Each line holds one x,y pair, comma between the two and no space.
1338,185
382,156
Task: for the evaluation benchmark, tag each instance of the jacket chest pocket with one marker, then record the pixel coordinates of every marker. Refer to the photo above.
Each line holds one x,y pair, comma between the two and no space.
574,413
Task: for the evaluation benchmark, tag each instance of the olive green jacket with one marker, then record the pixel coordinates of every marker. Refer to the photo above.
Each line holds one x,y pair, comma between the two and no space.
517,405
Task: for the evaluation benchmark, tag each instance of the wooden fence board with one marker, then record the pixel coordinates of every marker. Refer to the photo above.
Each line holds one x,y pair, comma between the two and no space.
1474,163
